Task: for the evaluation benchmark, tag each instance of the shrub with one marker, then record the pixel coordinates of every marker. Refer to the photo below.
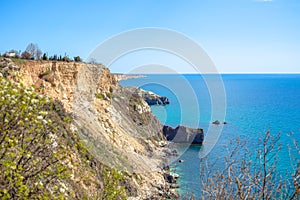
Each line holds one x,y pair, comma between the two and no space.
99,96
248,176
77,59
31,154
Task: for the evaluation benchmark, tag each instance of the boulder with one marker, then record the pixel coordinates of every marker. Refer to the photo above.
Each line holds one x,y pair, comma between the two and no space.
174,186
171,178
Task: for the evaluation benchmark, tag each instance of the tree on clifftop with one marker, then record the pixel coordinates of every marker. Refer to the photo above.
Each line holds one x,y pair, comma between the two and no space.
26,55
77,59
34,50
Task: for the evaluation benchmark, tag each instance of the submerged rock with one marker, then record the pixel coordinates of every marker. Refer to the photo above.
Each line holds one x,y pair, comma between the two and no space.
217,122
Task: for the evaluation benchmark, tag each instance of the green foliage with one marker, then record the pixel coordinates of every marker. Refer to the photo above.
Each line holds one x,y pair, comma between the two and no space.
66,59
45,57
35,149
99,96
67,119
53,58
77,59
46,73
112,190
32,158
19,61
109,95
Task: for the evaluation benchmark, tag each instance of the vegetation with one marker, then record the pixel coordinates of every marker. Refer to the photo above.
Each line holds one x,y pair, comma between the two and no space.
33,52
99,96
77,59
18,61
30,155
247,176
45,57
112,190
26,55
40,156
46,73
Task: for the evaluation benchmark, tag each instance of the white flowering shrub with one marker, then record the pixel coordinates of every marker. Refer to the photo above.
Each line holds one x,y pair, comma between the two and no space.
31,157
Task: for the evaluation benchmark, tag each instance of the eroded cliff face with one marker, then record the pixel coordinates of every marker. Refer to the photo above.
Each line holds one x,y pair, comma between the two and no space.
116,125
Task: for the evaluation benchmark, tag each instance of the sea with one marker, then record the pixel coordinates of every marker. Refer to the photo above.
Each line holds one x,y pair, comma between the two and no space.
250,104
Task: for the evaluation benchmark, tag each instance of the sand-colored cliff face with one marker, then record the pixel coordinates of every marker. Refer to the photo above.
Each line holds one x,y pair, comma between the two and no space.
116,125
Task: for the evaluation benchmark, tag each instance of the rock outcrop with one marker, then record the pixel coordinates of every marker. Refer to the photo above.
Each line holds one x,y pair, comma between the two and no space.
182,134
7,66
150,97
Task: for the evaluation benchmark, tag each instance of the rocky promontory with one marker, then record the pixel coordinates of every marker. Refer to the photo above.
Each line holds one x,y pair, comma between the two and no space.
150,97
122,77
182,134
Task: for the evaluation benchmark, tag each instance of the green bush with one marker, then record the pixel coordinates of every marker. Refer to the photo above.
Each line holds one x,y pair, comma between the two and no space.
77,59
112,190
99,96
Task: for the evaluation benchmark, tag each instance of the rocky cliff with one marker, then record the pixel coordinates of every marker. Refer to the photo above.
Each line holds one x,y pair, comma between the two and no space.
116,125
182,134
150,97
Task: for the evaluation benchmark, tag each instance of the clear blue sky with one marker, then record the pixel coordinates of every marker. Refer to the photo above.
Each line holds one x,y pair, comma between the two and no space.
239,35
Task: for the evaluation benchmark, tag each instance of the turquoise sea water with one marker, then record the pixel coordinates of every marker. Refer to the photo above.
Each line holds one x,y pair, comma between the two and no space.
255,103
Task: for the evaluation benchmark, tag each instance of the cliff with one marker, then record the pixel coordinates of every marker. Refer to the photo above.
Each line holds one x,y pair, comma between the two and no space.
115,125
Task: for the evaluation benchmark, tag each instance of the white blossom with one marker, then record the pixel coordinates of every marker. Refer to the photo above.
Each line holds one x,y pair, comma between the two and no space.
39,117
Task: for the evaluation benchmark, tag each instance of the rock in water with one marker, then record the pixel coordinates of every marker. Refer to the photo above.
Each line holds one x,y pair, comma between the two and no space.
217,122
182,134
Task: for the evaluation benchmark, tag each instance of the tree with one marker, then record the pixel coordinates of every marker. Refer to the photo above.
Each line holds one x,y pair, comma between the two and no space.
54,57
34,50
31,49
45,56
77,59
248,176
66,59
38,54
26,55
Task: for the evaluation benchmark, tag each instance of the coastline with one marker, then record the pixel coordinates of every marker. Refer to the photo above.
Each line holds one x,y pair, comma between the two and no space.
123,77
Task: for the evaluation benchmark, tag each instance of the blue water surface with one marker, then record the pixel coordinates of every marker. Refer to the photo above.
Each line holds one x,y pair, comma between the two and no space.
255,103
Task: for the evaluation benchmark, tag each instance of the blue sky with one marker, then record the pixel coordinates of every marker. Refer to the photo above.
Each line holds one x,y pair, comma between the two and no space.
239,35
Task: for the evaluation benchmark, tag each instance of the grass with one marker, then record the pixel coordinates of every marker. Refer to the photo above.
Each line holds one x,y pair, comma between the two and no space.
19,61
46,73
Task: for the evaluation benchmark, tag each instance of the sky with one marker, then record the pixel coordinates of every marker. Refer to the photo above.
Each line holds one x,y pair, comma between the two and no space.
240,36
